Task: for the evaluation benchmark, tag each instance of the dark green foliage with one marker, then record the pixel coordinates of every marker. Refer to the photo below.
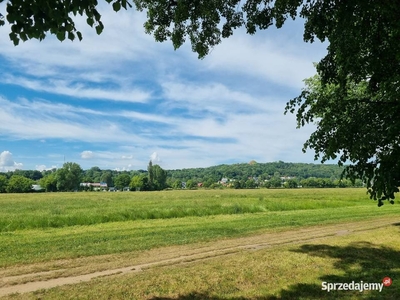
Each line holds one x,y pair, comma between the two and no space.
250,184
177,184
69,177
261,170
3,183
157,177
35,19
291,184
122,180
139,183
19,184
356,125
274,182
190,184
31,174
107,178
49,182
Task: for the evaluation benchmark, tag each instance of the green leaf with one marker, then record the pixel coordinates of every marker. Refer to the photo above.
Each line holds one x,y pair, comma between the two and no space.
14,38
23,36
99,28
71,36
79,34
90,21
61,35
116,6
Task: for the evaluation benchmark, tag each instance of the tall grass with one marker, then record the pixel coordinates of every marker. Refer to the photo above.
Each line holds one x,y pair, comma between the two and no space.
55,210
38,245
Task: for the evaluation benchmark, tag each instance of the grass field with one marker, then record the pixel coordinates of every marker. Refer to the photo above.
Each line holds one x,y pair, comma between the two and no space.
37,231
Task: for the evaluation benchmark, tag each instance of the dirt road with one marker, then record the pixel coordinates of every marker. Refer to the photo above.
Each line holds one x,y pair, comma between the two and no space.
23,279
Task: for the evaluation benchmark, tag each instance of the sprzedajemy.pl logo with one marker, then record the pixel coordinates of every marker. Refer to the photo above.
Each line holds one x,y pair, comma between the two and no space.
356,286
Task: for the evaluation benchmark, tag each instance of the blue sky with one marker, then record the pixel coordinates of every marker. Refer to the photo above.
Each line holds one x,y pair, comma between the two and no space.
120,99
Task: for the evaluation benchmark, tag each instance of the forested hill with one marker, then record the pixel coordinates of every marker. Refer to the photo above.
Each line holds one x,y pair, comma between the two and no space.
261,170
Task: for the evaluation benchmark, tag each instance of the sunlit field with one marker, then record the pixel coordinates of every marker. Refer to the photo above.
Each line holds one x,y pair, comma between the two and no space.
54,210
38,229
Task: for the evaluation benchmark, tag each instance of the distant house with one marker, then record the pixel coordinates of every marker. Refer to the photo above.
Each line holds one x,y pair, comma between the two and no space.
224,181
97,186
284,178
37,188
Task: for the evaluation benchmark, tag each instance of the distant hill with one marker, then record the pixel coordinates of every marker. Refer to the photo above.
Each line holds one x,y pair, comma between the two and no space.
262,170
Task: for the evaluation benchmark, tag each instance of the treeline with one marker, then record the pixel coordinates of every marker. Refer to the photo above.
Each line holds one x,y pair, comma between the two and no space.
247,175
262,171
71,177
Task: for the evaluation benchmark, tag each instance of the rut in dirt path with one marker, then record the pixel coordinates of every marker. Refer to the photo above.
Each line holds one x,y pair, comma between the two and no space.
211,250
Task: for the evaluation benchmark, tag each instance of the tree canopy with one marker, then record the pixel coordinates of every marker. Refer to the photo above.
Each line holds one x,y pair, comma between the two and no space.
361,67
354,125
69,177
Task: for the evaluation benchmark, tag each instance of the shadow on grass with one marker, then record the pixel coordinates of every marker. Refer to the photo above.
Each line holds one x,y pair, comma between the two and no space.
358,262
363,261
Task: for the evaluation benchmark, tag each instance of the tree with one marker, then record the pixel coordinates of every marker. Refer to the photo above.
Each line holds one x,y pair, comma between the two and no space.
107,178
354,124
150,174
122,180
49,182
69,177
190,184
19,184
291,184
139,183
157,177
177,184
3,183
236,184
250,184
93,175
207,183
275,182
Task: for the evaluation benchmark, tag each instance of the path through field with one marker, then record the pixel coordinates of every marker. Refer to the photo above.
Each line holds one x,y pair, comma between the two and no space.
23,279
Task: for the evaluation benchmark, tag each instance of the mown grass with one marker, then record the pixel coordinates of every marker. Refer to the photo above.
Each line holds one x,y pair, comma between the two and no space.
54,210
279,273
34,233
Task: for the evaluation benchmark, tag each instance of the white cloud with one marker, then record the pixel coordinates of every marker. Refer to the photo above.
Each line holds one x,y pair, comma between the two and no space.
7,162
127,157
58,121
155,158
213,97
267,56
6,159
44,167
87,154
79,90
41,167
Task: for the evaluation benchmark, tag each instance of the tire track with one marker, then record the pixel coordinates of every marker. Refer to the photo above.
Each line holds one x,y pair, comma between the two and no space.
34,282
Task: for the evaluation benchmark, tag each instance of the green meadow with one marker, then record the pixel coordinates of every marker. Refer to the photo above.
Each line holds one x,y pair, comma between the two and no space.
58,210
48,226
39,229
